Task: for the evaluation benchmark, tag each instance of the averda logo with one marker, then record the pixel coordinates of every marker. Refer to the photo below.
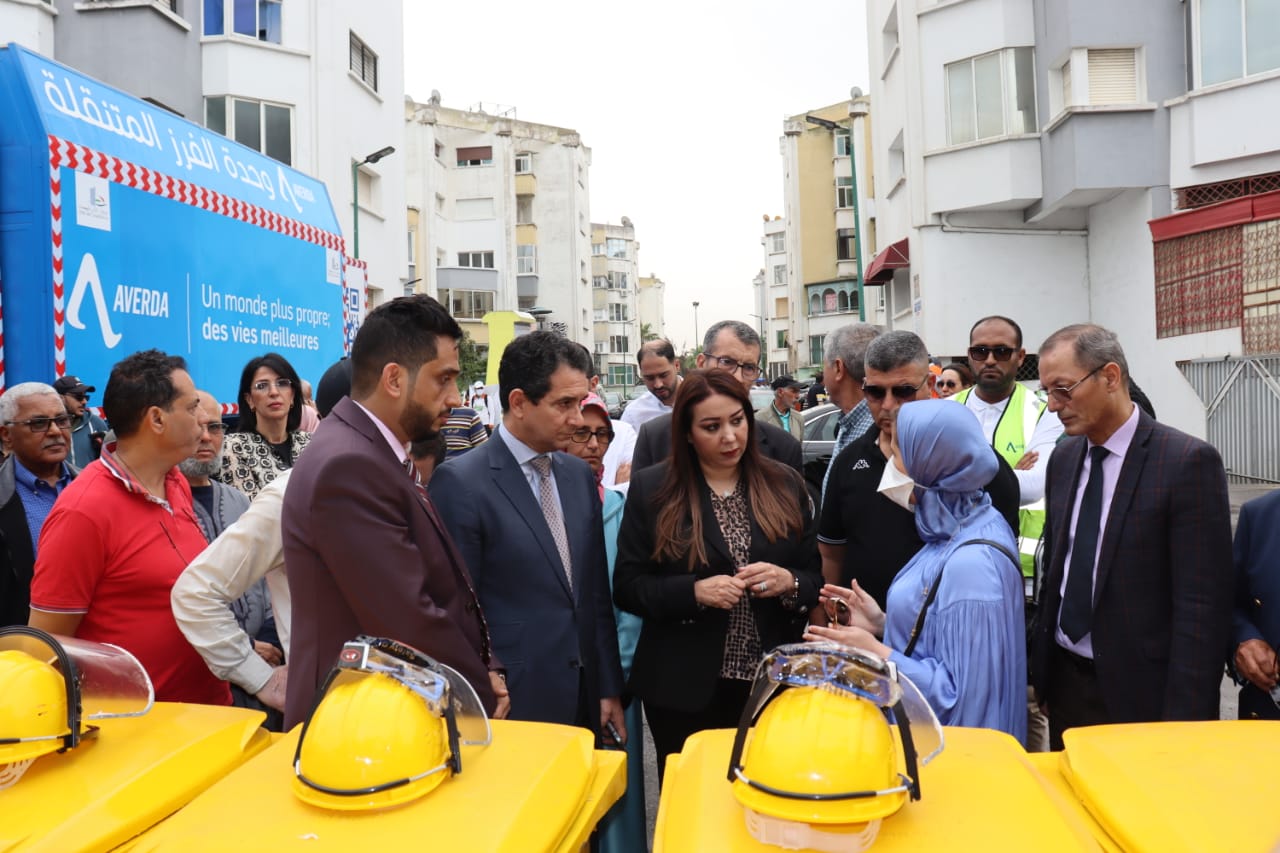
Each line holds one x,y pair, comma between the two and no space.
93,202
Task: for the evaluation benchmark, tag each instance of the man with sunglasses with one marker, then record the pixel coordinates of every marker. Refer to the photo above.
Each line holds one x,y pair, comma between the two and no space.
864,533
732,346
35,425
84,423
1136,609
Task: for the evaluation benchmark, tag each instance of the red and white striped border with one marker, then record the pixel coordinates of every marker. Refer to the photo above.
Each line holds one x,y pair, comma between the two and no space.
89,161
59,300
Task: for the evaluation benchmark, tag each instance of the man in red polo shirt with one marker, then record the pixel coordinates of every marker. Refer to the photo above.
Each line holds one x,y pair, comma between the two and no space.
122,532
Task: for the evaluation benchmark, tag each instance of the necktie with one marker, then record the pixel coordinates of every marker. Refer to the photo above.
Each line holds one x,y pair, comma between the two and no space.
474,600
551,512
1077,603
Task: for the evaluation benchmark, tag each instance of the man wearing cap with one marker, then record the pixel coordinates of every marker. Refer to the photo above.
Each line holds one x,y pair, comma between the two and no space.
84,423
782,411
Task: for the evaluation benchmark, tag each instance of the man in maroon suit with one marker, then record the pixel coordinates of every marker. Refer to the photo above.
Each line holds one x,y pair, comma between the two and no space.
364,550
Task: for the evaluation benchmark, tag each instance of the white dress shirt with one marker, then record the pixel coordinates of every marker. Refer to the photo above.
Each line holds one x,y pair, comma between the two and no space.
525,455
1044,431
621,449
643,409
1118,445
250,549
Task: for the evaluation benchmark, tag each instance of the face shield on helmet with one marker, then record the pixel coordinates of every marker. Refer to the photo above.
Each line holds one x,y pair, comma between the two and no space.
388,728
51,686
817,745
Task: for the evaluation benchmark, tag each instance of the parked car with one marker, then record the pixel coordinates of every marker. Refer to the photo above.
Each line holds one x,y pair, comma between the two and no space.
615,402
761,396
819,440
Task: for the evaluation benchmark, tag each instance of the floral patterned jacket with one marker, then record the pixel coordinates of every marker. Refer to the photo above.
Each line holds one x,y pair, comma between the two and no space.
249,463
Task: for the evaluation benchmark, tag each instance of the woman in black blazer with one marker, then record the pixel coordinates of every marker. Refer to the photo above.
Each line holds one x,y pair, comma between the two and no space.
718,555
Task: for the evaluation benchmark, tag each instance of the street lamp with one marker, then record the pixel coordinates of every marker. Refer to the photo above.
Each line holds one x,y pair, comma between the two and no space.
857,221
695,324
355,195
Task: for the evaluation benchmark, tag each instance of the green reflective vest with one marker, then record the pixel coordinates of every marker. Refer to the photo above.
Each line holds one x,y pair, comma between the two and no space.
1010,441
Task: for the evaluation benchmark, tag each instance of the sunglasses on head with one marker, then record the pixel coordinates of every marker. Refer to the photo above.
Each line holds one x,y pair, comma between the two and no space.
900,392
1001,353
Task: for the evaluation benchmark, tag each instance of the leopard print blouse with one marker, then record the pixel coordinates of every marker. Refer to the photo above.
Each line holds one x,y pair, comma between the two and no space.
742,651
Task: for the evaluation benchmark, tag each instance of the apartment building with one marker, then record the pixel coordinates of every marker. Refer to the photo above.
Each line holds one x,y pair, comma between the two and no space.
499,213
1032,159
828,224
317,86
651,307
773,298
615,289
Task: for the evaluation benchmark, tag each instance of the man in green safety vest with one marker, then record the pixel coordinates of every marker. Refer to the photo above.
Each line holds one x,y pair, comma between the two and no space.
1019,427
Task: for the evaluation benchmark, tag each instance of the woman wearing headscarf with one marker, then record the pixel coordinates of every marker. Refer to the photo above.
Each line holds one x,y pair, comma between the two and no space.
969,653
623,828
718,555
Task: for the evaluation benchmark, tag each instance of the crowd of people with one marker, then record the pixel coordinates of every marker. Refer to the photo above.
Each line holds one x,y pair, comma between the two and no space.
1033,559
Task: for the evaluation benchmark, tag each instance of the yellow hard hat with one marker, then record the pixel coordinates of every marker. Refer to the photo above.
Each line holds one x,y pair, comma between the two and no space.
34,719
372,742
818,756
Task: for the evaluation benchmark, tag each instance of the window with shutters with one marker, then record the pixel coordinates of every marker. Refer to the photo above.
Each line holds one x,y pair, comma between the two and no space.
1113,76
478,155
364,63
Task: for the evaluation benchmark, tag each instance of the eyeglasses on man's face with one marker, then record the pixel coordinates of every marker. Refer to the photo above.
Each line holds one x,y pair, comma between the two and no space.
264,385
583,435
747,369
41,425
900,392
1063,395
1001,353
216,427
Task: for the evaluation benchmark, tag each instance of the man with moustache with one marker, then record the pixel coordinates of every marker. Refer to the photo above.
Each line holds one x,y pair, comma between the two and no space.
528,521
124,530
867,530
660,373
36,426
365,551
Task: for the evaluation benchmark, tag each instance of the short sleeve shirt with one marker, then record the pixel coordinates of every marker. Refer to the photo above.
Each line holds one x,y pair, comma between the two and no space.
879,536
113,554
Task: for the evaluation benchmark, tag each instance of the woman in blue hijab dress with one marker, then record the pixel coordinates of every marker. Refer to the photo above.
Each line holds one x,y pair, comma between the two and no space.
969,659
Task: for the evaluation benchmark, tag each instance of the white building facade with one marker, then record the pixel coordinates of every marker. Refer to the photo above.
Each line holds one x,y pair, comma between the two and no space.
1023,153
499,209
615,292
316,85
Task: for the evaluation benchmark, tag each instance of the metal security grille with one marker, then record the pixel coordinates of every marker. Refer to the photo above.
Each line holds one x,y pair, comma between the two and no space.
1200,195
1242,407
1198,282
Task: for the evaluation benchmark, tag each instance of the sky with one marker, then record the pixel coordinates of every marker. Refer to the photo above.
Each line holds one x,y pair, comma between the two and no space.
681,104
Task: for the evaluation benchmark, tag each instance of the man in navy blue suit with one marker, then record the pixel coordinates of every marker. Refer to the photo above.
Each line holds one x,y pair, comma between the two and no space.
527,519
1256,620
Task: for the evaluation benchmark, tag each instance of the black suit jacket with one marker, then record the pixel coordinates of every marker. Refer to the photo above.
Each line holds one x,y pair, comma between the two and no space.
653,444
1162,597
17,556
681,645
366,554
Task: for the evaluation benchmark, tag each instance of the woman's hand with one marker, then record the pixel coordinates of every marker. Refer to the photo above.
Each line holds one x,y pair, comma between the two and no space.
719,591
864,612
623,474
847,635
765,580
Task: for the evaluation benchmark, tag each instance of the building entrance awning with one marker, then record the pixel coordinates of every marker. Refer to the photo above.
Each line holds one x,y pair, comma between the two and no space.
891,258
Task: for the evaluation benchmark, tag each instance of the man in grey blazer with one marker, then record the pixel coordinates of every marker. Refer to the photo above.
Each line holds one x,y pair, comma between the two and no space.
782,412
1135,611
527,520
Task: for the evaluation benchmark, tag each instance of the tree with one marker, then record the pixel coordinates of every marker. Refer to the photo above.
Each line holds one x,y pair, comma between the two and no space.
473,361
647,333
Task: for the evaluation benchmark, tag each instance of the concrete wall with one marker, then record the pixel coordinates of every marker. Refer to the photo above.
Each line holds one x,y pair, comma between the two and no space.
30,23
105,40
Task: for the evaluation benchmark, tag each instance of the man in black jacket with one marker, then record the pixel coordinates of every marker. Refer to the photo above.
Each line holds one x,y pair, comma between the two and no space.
735,347
35,425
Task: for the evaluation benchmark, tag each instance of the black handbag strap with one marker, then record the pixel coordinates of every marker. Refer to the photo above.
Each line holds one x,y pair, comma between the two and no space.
937,582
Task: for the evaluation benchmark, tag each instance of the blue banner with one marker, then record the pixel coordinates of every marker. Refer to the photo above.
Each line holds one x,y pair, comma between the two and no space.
212,289
82,110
